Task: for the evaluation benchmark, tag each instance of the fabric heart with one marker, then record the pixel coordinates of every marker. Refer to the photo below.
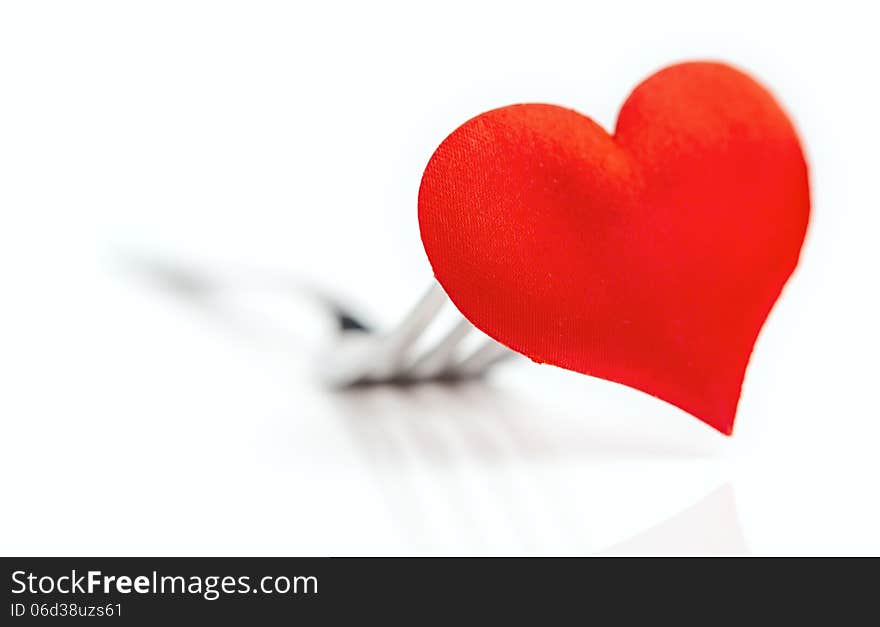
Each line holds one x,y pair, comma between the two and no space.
650,257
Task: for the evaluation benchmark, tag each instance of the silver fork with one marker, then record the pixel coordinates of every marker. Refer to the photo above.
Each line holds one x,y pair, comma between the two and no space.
357,354
360,356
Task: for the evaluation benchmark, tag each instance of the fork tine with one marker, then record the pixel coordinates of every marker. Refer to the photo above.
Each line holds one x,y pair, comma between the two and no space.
487,355
397,343
438,360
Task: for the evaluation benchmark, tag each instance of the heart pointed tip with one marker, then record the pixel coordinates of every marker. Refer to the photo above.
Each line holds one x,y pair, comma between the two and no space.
721,423
726,430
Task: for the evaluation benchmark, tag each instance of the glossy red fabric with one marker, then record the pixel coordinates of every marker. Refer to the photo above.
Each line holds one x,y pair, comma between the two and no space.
650,257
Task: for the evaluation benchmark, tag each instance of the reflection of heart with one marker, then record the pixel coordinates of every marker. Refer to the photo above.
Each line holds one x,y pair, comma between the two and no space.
650,257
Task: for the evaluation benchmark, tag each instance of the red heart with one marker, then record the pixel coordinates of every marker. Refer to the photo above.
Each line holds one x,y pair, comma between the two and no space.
651,257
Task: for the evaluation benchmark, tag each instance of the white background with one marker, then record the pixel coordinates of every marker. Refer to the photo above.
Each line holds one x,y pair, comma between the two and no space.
271,142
